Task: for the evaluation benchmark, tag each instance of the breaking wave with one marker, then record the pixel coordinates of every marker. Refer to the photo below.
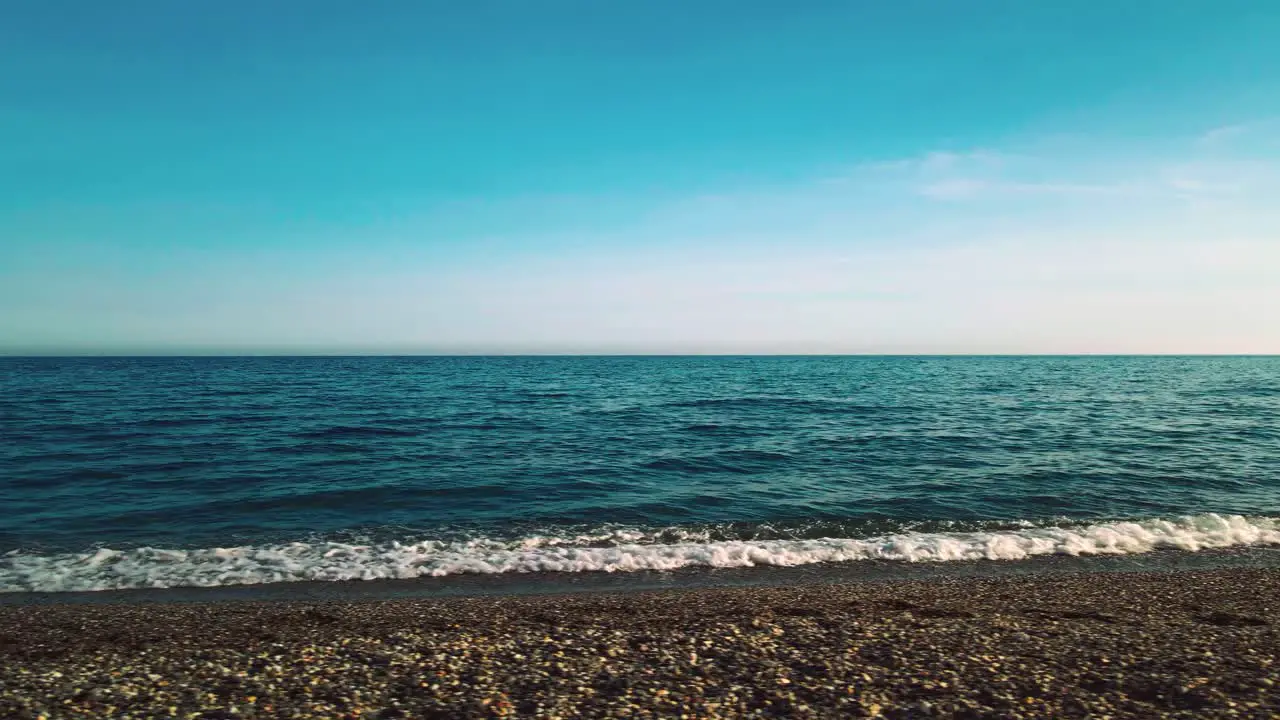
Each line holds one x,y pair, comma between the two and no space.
608,550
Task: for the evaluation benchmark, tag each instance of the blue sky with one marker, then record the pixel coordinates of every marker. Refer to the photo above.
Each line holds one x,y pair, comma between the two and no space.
639,176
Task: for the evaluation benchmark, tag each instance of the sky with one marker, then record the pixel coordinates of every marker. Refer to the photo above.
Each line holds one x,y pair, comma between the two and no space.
665,176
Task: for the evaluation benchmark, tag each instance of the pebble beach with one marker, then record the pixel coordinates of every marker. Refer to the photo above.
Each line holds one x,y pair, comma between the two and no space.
1189,644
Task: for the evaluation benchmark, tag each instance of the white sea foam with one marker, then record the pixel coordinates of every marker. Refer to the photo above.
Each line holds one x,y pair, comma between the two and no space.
106,569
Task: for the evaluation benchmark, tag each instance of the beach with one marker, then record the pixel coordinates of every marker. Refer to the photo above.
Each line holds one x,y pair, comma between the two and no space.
1194,644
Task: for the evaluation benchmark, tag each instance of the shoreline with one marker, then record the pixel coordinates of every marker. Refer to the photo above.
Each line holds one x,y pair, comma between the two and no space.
1172,643
690,578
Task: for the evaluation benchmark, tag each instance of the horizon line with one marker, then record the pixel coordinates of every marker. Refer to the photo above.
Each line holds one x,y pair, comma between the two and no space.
345,355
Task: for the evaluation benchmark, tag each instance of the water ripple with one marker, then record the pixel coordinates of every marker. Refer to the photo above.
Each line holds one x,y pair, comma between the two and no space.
186,452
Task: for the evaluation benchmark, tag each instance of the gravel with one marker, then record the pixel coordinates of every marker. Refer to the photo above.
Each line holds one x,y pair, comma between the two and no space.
1192,644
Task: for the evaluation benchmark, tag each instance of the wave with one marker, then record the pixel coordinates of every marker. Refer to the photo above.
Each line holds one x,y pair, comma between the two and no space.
609,550
357,431
733,461
812,405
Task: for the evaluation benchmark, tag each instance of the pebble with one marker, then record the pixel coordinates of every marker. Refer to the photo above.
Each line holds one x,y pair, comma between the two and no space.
1191,644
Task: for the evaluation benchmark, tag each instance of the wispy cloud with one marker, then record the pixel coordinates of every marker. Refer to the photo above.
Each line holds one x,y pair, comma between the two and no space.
983,251
1219,135
1204,170
968,187
1254,134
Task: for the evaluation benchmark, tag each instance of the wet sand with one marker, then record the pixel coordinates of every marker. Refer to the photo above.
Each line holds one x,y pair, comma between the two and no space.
1191,644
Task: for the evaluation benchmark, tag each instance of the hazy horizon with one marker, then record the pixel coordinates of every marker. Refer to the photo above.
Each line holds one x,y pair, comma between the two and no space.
640,178
384,353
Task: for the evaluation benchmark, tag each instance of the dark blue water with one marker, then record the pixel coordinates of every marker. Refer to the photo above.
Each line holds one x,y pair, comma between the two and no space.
327,468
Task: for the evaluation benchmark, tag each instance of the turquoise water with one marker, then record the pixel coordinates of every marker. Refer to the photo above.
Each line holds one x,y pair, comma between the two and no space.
153,472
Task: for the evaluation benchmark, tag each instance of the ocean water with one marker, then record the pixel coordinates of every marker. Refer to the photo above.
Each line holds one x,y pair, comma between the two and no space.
182,472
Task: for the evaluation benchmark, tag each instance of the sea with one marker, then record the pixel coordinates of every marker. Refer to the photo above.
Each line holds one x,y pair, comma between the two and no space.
449,473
